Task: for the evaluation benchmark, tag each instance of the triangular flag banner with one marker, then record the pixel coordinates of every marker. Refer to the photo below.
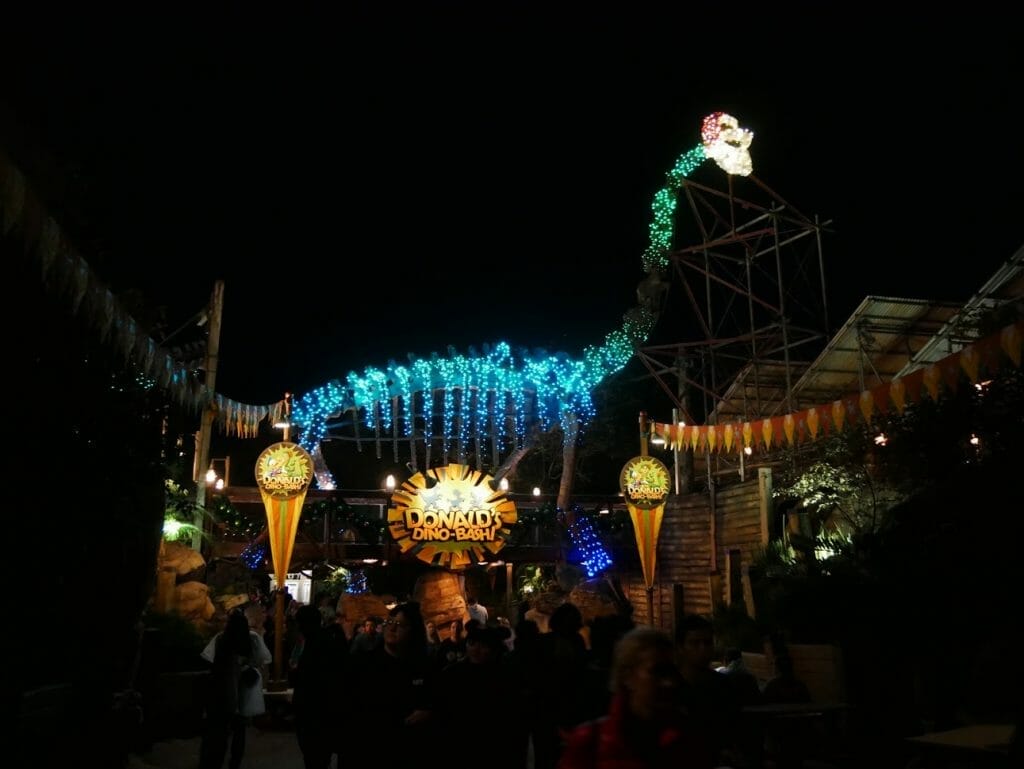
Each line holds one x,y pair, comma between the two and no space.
932,377
969,361
789,427
283,473
898,393
812,422
1010,341
867,405
881,397
646,526
645,483
838,415
975,361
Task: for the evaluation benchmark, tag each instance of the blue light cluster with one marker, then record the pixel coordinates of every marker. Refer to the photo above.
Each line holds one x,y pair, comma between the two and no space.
589,551
254,555
357,584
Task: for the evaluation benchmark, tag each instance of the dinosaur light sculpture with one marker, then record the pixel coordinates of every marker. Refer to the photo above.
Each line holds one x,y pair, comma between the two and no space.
489,393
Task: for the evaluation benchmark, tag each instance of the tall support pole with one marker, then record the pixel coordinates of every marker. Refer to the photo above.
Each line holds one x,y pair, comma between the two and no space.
821,272
202,454
782,316
683,392
675,449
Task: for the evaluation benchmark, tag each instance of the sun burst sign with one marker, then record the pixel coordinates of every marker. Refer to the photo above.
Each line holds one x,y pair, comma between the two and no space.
644,482
283,473
451,516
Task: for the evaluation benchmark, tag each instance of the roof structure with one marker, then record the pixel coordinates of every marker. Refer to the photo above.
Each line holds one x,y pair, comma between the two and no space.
884,338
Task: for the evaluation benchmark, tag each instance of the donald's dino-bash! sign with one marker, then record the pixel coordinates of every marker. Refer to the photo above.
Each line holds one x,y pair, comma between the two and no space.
449,515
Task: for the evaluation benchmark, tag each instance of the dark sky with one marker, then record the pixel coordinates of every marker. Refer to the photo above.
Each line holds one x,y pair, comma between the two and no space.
372,183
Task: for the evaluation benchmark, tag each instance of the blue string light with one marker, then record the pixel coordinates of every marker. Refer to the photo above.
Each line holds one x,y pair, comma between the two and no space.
587,548
254,555
357,584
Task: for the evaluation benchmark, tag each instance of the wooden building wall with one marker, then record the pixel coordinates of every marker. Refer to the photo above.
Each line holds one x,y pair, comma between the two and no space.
699,536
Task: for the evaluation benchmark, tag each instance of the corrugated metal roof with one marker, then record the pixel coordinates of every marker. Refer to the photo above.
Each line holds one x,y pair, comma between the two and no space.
885,337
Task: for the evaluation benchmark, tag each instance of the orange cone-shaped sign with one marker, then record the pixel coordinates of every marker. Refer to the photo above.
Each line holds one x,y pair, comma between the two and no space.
283,473
645,484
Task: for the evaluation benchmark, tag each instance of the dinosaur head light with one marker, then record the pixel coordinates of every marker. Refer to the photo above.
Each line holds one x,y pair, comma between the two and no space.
727,143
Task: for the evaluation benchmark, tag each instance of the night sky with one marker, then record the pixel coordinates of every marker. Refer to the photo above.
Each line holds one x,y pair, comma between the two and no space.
373,183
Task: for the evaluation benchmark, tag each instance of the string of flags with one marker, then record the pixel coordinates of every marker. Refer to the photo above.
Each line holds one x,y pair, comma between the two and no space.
982,358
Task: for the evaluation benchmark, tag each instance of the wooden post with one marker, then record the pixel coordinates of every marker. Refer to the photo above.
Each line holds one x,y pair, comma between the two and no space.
569,439
202,460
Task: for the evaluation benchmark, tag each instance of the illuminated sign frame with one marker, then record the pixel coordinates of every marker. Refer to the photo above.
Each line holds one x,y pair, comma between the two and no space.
645,482
452,516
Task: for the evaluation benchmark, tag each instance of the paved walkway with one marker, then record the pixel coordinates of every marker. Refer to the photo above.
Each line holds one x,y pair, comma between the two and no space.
264,749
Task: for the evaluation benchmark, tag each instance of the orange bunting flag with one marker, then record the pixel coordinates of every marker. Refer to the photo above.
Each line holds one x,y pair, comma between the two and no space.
838,415
867,405
898,393
950,368
932,377
881,396
812,422
969,360
977,361
913,383
1010,341
988,355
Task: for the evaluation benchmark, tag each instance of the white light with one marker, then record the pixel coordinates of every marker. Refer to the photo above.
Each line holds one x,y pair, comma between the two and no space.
604,511
211,475
219,485
881,439
975,440
369,560
536,491
282,425
747,450
389,483
657,441
503,484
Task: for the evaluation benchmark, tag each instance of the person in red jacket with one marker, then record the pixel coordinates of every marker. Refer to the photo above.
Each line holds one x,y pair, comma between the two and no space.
643,728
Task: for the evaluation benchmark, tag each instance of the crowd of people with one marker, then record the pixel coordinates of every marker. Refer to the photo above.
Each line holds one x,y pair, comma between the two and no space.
611,696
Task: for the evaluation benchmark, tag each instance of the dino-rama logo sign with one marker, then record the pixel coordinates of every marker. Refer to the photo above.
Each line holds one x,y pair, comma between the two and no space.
449,514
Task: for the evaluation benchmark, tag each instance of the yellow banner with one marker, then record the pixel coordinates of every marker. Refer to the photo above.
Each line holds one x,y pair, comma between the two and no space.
646,526
283,474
